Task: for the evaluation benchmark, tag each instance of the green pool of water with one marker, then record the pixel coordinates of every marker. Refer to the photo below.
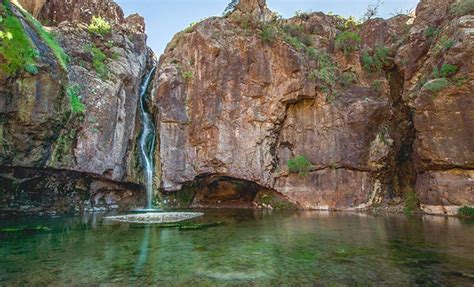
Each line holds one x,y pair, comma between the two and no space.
247,248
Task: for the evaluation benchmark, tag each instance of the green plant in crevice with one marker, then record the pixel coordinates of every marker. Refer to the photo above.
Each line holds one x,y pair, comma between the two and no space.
73,93
347,79
432,32
444,44
99,59
466,212
187,75
348,42
269,33
300,165
448,70
374,63
440,76
436,85
99,26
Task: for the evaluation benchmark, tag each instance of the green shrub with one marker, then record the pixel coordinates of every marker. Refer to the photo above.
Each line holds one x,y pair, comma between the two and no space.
466,212
294,42
375,63
15,47
377,86
448,70
327,75
99,26
73,93
444,43
296,36
269,33
99,59
431,32
436,85
411,202
299,165
463,7
187,75
348,42
347,79
49,39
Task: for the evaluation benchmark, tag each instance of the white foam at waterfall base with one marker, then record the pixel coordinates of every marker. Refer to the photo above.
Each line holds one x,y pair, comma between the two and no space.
153,217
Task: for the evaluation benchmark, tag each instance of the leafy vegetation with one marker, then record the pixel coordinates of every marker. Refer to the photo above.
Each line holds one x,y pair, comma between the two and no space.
269,33
444,43
99,26
73,92
299,165
15,46
466,212
49,39
432,32
99,59
347,79
448,70
348,42
187,75
374,63
436,85
463,7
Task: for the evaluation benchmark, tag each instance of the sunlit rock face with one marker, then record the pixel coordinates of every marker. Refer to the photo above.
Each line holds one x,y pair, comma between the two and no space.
232,100
230,103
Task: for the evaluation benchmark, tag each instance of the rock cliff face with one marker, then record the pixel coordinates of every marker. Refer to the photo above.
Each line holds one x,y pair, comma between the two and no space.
240,96
251,110
40,127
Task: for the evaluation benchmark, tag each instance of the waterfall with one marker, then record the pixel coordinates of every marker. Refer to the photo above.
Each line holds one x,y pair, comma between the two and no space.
147,139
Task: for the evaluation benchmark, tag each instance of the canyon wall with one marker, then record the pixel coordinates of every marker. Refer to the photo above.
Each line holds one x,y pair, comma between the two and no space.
41,125
243,94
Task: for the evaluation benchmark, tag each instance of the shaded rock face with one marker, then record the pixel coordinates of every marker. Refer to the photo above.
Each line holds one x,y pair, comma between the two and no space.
38,127
33,191
443,146
229,101
218,191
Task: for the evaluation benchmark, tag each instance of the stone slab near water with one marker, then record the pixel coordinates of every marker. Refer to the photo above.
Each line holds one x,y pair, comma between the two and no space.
165,217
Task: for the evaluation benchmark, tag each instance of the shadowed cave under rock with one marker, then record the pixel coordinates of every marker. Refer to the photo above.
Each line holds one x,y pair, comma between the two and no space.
222,191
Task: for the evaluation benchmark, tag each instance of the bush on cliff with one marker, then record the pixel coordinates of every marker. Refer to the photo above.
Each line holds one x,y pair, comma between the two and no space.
463,7
299,165
348,42
99,26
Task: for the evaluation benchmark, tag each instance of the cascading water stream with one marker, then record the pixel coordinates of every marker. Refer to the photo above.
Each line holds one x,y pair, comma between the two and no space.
147,139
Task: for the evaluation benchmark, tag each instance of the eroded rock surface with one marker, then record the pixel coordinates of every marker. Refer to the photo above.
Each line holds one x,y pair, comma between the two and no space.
243,94
39,127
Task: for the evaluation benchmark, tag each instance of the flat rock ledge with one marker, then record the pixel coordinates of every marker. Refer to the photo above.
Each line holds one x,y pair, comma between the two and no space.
153,217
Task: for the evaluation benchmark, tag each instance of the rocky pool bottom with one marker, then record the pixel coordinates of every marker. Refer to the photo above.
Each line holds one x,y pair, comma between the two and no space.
239,247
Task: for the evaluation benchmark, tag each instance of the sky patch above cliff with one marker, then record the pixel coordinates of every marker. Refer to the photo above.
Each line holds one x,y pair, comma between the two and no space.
164,18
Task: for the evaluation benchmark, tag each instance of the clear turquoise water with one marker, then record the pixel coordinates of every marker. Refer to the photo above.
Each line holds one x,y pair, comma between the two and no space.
250,248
